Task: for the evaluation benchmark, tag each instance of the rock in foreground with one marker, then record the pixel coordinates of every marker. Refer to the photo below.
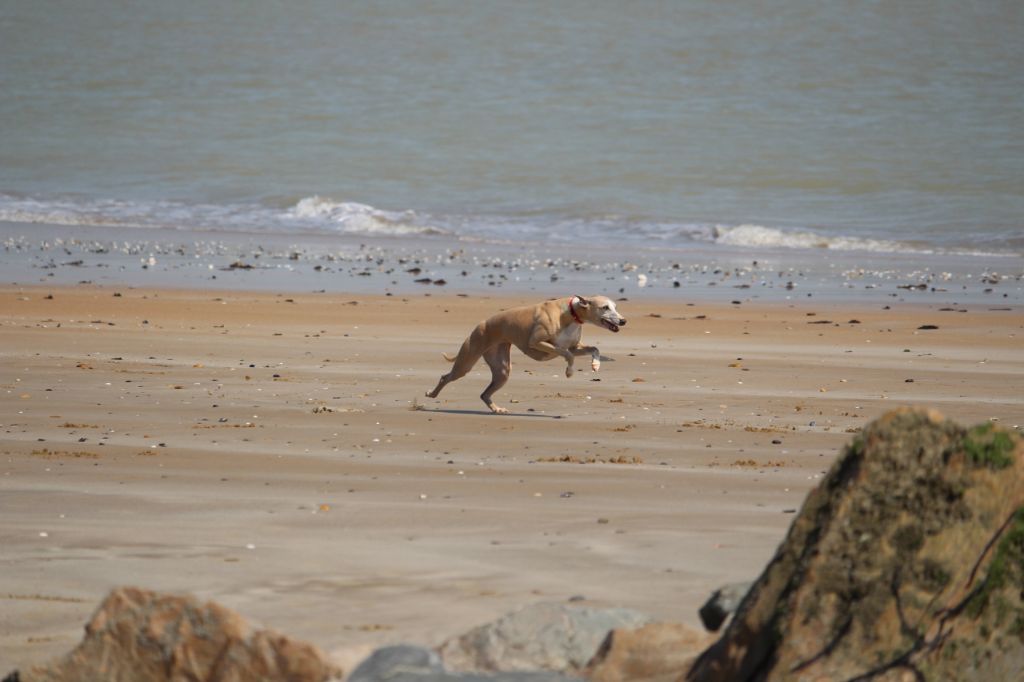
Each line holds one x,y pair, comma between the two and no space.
906,562
406,663
656,652
544,636
136,635
721,604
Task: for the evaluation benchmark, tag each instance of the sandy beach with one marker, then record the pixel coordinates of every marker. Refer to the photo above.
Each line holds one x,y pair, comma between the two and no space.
237,238
274,452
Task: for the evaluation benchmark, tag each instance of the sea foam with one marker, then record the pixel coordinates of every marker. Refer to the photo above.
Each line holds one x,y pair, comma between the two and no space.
352,217
759,236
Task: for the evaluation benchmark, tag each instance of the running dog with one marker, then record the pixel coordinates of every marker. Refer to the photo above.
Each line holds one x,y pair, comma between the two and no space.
543,332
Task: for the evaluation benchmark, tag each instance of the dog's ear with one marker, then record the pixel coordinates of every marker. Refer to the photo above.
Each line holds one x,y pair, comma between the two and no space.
583,302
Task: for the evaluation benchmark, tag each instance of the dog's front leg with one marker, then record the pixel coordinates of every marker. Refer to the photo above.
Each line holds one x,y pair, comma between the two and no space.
552,349
593,352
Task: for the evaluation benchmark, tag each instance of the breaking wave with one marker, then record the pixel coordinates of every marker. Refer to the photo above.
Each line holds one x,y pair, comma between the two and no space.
355,218
322,215
759,236
312,214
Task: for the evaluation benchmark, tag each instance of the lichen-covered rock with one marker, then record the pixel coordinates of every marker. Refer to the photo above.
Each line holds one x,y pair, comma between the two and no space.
544,636
141,636
408,663
906,562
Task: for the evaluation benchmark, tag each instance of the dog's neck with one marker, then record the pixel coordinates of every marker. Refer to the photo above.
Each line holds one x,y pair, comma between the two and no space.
572,311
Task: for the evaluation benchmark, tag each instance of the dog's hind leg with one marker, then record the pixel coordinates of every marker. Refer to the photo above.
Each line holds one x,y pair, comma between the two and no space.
500,362
463,362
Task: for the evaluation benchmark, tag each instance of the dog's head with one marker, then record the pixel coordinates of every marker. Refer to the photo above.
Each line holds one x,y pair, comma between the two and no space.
599,310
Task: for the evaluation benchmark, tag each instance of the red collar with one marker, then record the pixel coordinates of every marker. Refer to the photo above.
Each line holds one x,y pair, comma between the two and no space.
572,311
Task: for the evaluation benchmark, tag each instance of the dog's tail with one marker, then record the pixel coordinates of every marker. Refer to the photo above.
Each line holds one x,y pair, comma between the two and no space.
447,357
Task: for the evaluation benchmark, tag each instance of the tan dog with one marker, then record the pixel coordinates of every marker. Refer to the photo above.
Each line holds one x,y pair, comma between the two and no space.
544,331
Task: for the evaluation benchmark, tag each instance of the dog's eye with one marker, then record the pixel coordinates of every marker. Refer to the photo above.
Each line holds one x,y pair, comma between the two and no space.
604,307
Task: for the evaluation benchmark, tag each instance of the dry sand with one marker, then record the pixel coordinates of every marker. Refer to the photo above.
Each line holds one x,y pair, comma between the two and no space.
275,452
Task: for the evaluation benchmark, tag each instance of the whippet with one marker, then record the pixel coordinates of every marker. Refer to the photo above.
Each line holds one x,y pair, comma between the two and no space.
543,332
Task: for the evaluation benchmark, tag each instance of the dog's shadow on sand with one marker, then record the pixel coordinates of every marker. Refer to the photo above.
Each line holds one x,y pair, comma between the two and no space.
487,413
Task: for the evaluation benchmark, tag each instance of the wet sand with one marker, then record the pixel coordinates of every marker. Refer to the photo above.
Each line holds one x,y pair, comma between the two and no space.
274,451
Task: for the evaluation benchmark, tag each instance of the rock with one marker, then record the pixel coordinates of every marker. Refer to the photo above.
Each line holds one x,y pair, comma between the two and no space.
906,562
544,636
391,661
405,663
721,604
141,635
654,652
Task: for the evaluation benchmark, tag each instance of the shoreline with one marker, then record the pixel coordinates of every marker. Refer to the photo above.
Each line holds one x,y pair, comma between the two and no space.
40,254
274,451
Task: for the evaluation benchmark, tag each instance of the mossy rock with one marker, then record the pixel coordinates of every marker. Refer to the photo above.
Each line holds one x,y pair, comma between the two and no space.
987,446
907,559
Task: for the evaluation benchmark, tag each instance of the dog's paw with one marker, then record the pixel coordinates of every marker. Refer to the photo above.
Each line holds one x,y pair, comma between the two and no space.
568,371
595,365
498,410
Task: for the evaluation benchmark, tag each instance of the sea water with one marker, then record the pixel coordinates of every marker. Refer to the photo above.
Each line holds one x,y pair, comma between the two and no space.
882,127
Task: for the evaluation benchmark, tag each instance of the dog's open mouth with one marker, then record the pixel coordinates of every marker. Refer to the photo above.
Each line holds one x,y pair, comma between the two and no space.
609,325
